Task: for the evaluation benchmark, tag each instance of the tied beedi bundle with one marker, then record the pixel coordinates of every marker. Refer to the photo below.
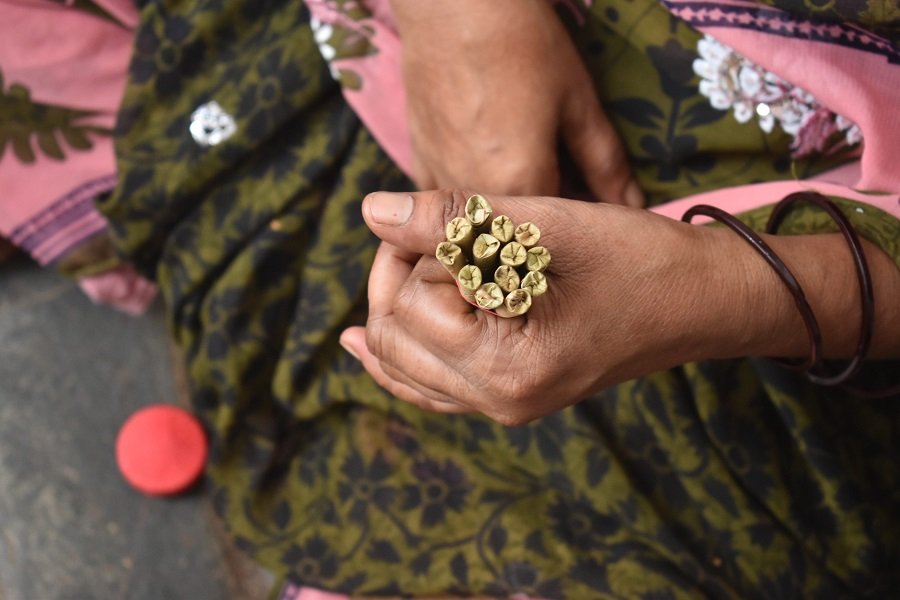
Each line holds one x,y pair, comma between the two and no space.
497,265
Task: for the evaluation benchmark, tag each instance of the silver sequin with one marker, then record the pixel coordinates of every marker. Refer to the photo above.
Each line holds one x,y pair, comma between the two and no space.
210,125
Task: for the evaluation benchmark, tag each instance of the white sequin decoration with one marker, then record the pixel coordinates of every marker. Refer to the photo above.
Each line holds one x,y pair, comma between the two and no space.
732,82
210,125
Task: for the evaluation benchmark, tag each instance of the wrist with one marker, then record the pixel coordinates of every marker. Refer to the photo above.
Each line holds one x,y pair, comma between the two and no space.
686,293
710,295
752,312
823,266
741,307
748,309
722,296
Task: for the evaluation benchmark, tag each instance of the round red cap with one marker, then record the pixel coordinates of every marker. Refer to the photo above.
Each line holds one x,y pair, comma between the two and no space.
161,450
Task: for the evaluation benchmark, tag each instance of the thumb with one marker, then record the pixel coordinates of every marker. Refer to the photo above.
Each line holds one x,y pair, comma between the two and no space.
417,221
414,222
594,144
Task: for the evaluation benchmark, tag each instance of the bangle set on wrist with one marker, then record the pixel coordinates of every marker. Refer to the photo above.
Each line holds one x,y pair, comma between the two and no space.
816,371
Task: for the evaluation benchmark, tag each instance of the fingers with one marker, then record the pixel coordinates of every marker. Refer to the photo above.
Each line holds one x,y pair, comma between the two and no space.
429,307
406,306
532,173
416,222
416,333
395,382
539,178
401,281
391,268
596,147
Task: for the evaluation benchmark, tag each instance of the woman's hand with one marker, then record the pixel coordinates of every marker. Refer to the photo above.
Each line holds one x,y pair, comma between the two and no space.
493,87
630,293
622,282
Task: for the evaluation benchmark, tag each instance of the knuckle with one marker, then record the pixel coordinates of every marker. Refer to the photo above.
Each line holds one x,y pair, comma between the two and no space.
611,160
508,419
375,334
518,391
453,204
521,178
407,299
462,392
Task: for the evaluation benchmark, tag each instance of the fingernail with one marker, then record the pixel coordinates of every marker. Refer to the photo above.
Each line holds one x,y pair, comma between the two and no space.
387,208
633,195
349,350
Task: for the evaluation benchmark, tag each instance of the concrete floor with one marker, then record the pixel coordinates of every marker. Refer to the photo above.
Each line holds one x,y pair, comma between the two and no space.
70,527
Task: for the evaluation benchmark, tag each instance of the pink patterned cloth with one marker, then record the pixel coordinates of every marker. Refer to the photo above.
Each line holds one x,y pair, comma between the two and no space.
66,59
381,102
849,71
121,287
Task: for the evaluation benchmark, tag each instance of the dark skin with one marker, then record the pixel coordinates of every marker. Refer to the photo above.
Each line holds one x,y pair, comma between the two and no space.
492,88
602,322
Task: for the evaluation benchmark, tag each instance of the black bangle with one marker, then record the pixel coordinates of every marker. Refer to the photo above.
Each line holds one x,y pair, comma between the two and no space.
783,272
820,374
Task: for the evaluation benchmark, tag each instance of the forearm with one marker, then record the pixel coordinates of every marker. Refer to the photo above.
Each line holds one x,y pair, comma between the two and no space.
757,308
696,292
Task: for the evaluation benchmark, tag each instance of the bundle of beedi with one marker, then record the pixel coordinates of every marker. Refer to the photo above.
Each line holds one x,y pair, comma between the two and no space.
498,266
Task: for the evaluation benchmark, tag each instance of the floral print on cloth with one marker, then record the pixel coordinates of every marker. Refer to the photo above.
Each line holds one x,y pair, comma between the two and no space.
722,479
732,82
63,67
842,61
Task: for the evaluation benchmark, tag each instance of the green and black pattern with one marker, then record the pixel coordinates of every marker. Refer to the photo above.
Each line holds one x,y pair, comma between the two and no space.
729,479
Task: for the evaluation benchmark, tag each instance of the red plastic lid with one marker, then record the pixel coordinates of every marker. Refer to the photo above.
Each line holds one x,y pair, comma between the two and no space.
161,450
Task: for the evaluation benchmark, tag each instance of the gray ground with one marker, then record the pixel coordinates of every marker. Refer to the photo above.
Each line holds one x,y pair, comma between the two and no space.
70,528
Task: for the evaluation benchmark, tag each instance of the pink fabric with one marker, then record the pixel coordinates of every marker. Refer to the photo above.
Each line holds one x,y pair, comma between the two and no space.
858,84
381,102
121,287
66,57
747,197
123,11
295,592
70,59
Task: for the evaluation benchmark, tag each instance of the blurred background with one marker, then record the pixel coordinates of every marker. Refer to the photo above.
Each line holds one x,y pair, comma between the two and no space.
71,372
